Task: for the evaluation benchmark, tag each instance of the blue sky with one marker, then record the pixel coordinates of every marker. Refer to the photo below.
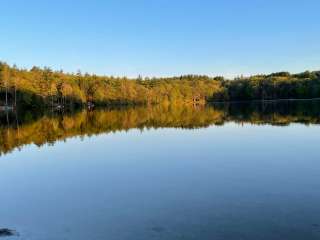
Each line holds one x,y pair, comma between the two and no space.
162,37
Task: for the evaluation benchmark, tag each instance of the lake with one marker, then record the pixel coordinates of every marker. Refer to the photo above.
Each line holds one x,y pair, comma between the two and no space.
226,171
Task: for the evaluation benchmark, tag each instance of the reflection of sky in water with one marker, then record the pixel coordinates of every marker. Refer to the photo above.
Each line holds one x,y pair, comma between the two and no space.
227,182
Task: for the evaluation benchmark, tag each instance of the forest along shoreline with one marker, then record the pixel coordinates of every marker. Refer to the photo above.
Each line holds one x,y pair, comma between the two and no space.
43,87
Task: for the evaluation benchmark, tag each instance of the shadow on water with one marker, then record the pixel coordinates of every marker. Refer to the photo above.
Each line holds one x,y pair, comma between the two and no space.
19,128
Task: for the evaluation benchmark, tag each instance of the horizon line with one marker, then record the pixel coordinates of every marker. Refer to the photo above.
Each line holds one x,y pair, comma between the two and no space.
225,76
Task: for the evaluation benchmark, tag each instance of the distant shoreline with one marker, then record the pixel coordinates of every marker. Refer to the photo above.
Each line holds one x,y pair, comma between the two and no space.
268,100
42,87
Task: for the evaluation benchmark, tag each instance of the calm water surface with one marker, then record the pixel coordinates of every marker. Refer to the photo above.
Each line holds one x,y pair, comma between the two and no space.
221,172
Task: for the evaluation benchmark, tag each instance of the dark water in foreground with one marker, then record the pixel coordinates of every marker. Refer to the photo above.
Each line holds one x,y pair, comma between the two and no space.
240,171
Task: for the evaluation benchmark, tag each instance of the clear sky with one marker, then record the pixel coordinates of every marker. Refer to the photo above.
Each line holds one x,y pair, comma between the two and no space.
162,37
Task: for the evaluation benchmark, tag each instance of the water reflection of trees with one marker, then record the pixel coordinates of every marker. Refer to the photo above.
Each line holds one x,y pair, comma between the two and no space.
46,128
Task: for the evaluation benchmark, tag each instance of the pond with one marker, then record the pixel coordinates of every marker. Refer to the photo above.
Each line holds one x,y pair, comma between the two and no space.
227,171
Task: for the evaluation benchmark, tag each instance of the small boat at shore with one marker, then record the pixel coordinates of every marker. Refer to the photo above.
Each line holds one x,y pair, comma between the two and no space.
6,108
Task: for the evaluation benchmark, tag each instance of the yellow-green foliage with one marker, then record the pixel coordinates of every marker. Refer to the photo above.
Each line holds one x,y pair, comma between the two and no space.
52,87
44,86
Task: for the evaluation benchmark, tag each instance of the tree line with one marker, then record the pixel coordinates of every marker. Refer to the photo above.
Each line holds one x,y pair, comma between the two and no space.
44,87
